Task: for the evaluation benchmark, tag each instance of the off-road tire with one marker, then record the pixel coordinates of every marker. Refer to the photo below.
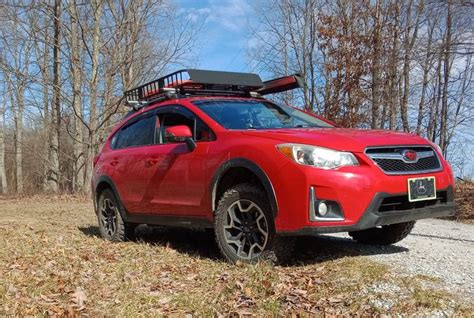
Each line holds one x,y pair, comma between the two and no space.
276,250
123,231
385,235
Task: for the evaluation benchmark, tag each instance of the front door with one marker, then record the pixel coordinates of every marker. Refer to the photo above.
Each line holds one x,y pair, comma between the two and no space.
176,176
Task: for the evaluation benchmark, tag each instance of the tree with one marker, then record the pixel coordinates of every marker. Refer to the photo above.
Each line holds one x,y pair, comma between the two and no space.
16,62
3,176
378,64
55,120
64,67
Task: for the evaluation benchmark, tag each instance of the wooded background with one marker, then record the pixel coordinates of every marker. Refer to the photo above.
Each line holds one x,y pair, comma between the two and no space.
402,65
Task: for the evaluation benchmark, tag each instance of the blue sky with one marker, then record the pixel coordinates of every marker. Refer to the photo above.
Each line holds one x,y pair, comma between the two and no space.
225,32
226,35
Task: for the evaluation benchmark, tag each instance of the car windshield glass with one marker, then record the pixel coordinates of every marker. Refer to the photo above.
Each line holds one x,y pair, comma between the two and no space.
251,114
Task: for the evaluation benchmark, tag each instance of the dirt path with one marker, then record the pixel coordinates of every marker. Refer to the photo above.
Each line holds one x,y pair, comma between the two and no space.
439,248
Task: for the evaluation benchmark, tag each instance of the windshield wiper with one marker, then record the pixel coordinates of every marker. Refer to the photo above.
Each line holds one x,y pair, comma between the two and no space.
250,126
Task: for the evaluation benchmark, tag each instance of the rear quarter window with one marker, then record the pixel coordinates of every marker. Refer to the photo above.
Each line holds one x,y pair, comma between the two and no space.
139,133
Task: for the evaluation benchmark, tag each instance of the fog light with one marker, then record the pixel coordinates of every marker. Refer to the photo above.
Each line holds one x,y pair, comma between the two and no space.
322,208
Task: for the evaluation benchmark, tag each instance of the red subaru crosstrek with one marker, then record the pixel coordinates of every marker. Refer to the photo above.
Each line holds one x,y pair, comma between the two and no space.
204,149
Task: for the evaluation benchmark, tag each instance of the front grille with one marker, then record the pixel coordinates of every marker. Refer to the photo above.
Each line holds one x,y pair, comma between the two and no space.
401,203
394,165
391,160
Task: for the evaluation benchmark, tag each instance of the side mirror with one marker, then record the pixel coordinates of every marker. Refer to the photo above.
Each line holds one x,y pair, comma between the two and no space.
181,133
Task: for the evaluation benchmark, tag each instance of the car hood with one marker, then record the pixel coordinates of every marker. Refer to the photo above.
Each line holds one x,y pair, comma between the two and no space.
355,140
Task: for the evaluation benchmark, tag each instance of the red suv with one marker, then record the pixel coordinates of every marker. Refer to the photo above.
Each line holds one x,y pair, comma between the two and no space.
204,149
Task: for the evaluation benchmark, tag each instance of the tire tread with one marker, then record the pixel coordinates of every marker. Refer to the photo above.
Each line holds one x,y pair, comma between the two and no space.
271,254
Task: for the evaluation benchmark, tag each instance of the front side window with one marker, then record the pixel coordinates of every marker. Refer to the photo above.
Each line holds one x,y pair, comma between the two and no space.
174,119
139,133
201,132
250,114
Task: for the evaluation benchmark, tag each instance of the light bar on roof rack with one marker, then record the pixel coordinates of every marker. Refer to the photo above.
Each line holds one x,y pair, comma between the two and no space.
281,84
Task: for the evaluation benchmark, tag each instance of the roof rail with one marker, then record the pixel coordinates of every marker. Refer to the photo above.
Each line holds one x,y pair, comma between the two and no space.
189,82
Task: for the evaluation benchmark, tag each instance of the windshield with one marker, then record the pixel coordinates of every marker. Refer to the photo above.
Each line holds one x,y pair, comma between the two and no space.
251,114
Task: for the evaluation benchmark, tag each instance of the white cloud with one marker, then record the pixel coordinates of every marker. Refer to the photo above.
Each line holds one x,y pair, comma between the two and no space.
232,15
194,15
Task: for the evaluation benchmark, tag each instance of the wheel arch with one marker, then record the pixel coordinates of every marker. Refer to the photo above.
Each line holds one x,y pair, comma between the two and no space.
104,182
230,168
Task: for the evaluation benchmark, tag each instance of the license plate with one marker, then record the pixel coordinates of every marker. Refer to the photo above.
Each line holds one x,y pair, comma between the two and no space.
420,189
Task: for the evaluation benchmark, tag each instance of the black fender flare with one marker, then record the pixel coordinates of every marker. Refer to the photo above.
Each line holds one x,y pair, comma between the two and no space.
255,169
110,183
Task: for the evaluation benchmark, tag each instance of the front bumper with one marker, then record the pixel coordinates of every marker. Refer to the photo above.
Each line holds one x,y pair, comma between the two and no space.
357,190
372,217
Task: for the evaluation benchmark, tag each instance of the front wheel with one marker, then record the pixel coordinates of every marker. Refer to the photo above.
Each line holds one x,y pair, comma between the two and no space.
244,226
384,235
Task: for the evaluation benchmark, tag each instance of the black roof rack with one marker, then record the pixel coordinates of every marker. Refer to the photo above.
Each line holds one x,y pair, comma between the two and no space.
189,82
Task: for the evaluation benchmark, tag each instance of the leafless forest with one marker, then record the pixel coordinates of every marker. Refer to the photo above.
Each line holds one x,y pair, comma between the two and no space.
63,68
404,65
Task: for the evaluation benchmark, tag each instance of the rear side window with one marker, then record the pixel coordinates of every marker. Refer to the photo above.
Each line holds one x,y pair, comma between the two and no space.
140,133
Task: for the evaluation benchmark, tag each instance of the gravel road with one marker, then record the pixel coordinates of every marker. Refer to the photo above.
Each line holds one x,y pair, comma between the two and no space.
439,248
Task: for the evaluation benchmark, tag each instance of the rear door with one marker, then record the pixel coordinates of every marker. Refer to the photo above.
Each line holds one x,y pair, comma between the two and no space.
177,183
130,153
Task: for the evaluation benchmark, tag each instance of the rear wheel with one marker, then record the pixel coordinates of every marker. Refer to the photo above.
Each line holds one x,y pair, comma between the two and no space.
111,224
244,226
384,235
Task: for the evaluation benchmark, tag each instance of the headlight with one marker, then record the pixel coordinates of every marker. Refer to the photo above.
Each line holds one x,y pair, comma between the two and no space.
319,157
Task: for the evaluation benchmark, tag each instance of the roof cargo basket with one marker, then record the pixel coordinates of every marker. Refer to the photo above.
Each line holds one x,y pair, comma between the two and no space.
195,82
190,82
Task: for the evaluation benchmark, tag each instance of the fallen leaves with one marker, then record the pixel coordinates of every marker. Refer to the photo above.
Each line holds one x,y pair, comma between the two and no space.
53,264
464,197
79,298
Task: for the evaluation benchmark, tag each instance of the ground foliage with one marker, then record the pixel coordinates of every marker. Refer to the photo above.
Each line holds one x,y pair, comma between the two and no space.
52,263
464,197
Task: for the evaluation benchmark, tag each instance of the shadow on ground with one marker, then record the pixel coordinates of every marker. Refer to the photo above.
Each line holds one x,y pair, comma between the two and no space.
311,249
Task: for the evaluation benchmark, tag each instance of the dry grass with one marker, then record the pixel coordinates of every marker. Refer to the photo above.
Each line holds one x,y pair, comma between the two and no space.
53,263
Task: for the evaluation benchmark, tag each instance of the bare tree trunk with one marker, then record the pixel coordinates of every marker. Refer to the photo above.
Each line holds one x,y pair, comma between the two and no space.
284,53
54,175
436,101
376,67
426,69
45,78
408,46
92,140
394,71
465,82
312,45
3,176
447,68
78,145
18,118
